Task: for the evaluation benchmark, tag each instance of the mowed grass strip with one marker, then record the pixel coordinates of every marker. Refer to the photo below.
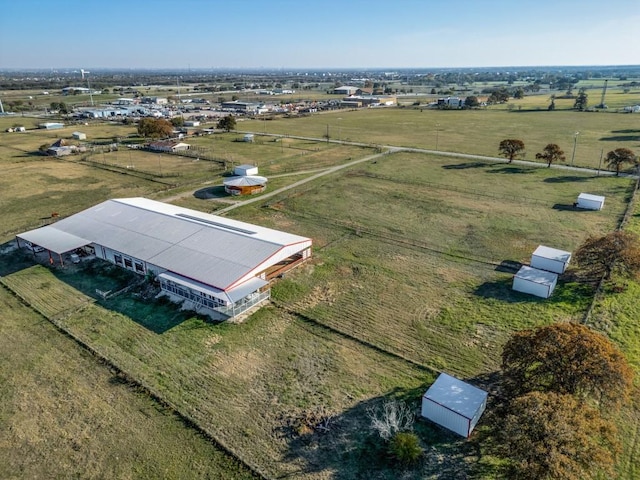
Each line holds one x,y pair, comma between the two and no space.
418,273
65,415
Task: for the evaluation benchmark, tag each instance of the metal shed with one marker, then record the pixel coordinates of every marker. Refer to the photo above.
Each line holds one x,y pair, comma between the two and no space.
590,202
244,170
550,259
79,135
454,404
535,282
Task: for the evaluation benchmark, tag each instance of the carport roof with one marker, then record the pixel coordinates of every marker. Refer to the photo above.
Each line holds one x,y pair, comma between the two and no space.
54,240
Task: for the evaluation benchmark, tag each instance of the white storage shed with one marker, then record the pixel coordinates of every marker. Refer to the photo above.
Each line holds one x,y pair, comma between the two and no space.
590,202
535,282
79,136
550,259
454,404
244,170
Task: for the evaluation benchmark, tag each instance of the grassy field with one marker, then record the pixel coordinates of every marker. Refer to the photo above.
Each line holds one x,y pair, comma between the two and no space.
64,415
475,132
412,268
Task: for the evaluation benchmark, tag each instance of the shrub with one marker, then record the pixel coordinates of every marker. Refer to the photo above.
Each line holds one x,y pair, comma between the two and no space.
405,448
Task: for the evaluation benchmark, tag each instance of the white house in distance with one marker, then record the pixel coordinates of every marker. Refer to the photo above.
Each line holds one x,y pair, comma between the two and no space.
244,170
169,146
213,265
535,282
454,404
588,201
550,259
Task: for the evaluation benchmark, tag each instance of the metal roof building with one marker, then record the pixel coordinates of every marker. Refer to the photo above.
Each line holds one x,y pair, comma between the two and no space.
218,264
454,404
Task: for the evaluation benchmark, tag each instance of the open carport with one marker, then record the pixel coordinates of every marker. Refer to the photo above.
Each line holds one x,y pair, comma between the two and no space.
54,241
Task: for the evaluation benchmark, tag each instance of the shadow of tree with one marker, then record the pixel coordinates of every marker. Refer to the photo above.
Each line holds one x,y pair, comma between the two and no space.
567,179
352,450
463,166
512,170
621,138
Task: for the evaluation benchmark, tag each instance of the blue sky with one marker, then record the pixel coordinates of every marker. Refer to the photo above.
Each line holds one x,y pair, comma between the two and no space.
316,34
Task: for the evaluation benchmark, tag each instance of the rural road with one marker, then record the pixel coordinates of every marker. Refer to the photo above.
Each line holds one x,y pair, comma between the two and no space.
387,149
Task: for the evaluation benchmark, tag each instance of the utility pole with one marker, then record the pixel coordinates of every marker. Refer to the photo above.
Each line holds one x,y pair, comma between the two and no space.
600,164
575,143
327,133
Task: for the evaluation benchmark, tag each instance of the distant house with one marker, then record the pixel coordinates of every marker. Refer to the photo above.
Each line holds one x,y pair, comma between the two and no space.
236,106
451,102
191,123
169,146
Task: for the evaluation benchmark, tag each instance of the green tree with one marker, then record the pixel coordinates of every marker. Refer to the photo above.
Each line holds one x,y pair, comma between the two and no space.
177,122
227,123
600,256
566,358
154,127
552,105
499,96
511,148
617,158
405,448
554,436
471,102
581,100
518,93
551,153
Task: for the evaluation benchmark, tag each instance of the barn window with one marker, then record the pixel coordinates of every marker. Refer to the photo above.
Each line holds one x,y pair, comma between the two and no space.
139,267
128,263
117,259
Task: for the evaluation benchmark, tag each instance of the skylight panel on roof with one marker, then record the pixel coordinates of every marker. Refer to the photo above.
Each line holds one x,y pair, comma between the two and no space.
215,224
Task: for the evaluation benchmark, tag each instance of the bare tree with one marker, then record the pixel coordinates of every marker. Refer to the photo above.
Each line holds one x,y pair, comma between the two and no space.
392,417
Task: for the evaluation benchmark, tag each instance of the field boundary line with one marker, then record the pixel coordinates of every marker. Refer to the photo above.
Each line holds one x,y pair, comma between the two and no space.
187,419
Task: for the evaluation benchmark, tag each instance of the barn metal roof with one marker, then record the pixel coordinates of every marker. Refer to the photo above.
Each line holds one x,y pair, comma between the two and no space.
456,395
53,240
214,250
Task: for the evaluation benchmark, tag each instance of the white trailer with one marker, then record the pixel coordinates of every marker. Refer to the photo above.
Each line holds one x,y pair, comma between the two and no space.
535,282
550,259
588,201
454,404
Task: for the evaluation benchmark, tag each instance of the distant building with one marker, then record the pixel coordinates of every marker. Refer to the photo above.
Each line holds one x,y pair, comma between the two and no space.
169,146
51,125
244,170
345,90
79,136
245,185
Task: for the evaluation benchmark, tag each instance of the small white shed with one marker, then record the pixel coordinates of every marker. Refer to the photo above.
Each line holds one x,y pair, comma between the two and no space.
454,404
248,138
590,202
535,282
550,259
244,170
79,135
